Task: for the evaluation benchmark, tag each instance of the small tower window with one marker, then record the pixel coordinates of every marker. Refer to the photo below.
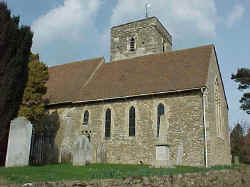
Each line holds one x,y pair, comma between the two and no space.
107,123
160,112
86,118
132,44
132,121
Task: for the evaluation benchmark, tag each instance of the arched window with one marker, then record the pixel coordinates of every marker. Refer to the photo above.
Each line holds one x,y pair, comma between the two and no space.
132,121
132,44
107,123
160,112
86,118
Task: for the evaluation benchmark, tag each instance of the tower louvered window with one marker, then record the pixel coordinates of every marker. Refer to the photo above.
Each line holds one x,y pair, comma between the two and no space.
132,44
132,121
160,112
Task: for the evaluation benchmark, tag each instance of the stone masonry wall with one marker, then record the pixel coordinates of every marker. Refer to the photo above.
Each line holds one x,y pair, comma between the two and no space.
238,177
218,146
183,116
150,38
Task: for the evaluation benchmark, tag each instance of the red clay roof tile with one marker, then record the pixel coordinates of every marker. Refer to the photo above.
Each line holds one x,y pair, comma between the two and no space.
165,72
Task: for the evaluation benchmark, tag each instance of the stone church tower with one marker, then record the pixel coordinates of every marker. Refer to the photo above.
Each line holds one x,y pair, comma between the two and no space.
139,38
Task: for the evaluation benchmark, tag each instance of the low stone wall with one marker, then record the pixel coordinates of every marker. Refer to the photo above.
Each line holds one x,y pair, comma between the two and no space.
237,177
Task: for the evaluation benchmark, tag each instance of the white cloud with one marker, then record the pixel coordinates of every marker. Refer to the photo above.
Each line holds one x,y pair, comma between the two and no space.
69,21
237,13
184,17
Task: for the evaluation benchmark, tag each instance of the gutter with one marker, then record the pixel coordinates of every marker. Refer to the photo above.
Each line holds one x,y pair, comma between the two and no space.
139,95
203,91
123,97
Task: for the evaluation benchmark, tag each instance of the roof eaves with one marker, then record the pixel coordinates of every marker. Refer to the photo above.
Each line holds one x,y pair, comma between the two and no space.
140,95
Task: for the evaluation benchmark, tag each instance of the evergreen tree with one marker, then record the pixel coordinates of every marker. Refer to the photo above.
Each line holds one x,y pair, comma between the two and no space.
246,148
243,78
237,140
32,106
15,44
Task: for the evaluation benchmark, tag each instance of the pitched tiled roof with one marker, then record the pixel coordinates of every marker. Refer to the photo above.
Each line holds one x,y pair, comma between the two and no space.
150,74
66,80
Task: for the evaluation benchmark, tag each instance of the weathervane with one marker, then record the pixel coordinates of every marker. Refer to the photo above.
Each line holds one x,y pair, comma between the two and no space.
147,5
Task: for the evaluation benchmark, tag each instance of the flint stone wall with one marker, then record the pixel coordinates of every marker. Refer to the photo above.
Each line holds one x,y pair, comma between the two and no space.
182,125
183,117
219,150
150,38
238,177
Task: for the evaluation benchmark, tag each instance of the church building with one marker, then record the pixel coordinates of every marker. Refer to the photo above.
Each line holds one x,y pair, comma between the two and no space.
150,104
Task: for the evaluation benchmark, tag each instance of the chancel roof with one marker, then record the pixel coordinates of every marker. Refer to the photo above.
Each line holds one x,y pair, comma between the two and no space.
92,80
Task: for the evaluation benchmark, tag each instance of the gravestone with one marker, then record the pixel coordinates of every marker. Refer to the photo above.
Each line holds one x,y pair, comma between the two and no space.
101,154
162,157
162,153
180,154
236,160
18,151
82,151
65,153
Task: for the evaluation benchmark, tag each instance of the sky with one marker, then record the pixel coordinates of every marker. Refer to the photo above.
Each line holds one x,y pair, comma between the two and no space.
72,30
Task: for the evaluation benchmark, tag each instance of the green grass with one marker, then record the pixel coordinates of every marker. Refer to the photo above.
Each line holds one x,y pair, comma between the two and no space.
59,172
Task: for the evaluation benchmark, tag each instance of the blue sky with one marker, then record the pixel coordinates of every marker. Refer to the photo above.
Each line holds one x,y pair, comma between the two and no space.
70,30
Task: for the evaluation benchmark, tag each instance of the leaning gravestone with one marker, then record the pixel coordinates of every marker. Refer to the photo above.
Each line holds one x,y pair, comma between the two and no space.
18,151
82,151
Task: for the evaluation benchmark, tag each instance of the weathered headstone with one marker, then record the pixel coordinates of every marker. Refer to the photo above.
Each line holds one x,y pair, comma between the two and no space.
82,151
162,153
180,154
65,153
236,160
101,155
18,151
162,157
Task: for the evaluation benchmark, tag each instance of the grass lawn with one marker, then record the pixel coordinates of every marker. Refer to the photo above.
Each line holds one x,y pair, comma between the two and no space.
67,172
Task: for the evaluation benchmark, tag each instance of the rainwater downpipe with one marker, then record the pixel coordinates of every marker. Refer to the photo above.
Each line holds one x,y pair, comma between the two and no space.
203,90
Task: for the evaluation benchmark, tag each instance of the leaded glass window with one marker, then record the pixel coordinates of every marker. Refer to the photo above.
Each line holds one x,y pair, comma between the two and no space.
132,121
160,112
108,123
86,118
